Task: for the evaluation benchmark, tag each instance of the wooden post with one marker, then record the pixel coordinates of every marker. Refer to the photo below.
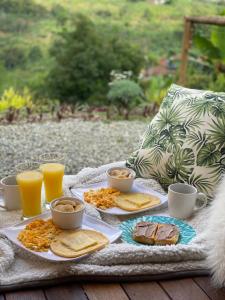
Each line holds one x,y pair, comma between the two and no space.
184,54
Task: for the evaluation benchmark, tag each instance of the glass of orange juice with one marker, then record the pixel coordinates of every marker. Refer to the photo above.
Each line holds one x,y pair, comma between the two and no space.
51,157
27,166
53,180
30,183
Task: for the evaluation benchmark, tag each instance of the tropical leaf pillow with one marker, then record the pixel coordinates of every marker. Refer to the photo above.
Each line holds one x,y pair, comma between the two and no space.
185,142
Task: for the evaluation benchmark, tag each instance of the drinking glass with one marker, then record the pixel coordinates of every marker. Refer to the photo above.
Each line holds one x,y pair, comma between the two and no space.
53,180
30,184
27,166
51,157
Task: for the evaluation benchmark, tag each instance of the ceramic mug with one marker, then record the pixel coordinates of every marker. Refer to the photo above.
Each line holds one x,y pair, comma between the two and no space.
182,200
10,191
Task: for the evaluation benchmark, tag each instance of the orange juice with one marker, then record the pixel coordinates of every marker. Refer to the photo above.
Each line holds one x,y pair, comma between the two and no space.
53,177
30,183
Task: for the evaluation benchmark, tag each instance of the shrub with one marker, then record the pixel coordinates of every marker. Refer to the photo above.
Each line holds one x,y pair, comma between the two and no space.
125,94
13,99
84,59
13,57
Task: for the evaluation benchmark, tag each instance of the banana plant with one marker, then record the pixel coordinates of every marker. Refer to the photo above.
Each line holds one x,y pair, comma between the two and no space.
212,47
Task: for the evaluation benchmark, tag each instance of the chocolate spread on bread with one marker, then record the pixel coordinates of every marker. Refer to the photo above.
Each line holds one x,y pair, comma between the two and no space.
145,229
144,232
155,233
167,231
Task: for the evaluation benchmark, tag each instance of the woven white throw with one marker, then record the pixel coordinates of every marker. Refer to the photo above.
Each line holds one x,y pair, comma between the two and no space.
118,259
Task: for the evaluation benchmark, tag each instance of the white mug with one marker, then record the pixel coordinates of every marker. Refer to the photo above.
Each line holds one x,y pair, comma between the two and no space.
182,200
10,191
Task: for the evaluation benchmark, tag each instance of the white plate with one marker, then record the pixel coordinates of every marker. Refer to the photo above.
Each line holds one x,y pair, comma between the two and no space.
116,211
89,222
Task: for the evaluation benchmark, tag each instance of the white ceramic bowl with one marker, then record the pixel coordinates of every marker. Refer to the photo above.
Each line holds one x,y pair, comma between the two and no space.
67,220
121,184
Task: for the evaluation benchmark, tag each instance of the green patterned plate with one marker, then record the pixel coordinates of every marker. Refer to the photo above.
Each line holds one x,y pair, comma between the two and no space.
187,233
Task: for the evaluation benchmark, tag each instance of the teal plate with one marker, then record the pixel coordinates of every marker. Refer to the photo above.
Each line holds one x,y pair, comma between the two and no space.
187,233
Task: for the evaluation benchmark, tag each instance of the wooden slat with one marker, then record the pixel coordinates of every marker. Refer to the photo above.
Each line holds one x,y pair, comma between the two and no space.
64,292
185,48
103,291
213,293
183,289
145,290
26,295
216,20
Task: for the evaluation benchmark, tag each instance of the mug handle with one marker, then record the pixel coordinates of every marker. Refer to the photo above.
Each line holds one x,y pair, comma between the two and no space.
1,191
203,198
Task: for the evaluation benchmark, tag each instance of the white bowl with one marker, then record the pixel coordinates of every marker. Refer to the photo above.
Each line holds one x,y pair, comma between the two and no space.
67,220
121,184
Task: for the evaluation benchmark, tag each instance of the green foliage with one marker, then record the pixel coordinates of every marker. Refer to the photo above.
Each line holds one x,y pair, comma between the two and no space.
156,88
27,7
13,99
13,57
11,25
60,13
125,93
35,53
25,23
84,59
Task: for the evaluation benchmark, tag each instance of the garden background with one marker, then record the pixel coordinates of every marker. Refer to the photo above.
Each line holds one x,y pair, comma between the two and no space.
95,61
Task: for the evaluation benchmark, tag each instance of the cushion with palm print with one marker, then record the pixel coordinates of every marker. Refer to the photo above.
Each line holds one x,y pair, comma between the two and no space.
185,142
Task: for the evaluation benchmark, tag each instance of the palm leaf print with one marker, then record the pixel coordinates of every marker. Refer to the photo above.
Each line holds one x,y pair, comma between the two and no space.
192,124
177,92
218,109
173,137
197,139
161,177
131,160
217,131
200,108
185,141
215,97
202,183
208,155
169,117
181,164
157,152
190,100
143,165
150,137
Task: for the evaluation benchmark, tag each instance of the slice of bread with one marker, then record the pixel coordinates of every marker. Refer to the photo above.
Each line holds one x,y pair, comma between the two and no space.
166,234
144,232
136,201
75,243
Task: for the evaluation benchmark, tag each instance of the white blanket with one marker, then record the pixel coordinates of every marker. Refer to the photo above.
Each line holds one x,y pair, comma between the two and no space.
119,259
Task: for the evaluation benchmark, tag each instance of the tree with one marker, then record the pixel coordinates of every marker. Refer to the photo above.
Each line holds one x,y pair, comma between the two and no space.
84,59
125,94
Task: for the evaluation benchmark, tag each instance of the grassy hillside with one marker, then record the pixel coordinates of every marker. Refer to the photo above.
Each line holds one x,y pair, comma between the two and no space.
28,25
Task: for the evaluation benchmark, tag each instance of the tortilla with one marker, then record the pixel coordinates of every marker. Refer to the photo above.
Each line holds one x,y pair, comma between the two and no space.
65,243
136,201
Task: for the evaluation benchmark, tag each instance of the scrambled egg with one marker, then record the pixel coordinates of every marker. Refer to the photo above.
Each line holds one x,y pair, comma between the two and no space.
38,235
103,198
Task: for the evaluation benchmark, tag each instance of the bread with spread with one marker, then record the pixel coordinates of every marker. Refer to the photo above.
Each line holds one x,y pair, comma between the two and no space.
155,233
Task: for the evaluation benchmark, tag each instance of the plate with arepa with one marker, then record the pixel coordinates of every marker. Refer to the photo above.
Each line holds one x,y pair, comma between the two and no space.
111,201
58,245
156,230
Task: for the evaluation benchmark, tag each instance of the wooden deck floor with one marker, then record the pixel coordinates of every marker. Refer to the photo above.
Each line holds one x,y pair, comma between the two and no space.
196,288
